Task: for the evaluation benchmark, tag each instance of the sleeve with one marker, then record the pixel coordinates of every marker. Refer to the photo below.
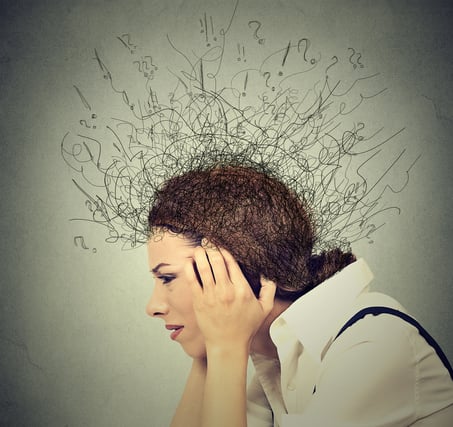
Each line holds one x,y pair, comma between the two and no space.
259,413
370,376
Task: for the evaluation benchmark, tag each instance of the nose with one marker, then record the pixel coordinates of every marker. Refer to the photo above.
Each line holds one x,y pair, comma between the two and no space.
157,305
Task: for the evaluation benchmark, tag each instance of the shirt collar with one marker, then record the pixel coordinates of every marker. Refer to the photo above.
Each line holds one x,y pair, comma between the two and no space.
315,316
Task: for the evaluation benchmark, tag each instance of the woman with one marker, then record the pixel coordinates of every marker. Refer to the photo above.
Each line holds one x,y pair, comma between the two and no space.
232,252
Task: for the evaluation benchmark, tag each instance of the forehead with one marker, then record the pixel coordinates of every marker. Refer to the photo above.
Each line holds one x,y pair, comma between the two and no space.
169,248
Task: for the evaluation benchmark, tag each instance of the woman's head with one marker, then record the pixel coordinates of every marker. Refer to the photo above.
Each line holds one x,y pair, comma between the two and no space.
171,299
266,227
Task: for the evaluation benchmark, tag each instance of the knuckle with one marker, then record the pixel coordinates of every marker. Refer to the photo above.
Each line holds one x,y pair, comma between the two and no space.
228,297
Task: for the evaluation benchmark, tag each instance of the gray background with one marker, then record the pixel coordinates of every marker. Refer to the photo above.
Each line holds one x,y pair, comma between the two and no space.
76,346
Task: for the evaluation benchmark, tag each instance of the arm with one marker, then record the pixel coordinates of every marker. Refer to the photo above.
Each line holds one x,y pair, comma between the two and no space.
188,412
228,315
225,402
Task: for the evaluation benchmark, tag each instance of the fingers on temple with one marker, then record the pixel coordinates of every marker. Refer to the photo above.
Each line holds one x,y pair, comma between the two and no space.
218,266
203,266
234,271
189,268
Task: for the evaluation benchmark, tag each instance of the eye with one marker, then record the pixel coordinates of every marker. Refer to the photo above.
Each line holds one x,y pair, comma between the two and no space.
166,279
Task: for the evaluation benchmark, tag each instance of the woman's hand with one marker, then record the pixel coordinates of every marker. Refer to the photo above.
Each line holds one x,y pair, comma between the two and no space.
228,313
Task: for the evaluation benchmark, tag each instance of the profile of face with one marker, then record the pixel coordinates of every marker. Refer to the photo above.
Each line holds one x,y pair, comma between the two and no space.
171,299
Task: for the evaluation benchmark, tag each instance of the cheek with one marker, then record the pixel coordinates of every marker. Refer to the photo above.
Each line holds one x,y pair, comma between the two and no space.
187,311
193,343
183,301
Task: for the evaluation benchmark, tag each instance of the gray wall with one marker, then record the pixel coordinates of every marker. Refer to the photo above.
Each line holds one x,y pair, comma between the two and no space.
76,346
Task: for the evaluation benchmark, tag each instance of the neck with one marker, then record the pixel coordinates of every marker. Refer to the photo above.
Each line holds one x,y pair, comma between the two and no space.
262,342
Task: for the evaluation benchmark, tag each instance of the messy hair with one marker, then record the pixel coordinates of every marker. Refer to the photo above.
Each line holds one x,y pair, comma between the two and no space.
267,228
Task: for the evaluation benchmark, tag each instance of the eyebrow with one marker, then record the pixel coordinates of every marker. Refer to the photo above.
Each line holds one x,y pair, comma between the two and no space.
158,266
163,264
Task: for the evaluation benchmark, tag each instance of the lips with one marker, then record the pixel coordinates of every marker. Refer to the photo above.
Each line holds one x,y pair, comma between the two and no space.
177,329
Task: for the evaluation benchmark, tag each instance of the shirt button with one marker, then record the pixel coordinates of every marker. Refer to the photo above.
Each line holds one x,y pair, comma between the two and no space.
291,386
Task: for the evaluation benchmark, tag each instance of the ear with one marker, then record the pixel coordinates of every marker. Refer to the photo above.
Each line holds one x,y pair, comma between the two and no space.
267,294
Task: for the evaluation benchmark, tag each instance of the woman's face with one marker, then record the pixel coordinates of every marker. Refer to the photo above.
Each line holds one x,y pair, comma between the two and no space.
171,299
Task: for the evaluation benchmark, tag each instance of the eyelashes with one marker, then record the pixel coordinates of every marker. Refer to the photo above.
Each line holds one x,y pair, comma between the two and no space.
166,279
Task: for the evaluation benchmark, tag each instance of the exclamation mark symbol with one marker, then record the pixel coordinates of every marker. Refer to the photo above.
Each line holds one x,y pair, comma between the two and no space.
206,30
212,29
241,53
245,84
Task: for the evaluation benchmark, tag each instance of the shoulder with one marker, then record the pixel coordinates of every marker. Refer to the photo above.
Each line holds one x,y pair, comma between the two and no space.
389,337
386,356
376,345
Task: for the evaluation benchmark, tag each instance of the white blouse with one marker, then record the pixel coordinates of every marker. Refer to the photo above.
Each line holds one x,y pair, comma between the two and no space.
379,372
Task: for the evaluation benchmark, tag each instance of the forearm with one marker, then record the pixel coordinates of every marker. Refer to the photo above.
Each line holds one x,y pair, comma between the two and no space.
188,412
224,403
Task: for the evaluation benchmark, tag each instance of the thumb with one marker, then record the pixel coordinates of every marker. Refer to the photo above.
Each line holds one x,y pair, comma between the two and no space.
267,294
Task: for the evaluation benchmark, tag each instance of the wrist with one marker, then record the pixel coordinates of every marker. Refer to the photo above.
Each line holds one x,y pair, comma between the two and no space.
227,352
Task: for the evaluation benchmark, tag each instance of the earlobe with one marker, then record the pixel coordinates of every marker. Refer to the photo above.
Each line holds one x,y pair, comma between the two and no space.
265,281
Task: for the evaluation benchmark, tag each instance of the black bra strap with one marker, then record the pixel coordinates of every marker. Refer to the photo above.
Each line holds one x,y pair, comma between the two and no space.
387,310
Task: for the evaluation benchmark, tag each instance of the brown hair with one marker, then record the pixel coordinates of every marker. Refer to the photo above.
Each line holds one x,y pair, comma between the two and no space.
267,228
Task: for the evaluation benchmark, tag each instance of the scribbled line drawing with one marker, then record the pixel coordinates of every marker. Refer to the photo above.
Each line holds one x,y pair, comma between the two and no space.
294,112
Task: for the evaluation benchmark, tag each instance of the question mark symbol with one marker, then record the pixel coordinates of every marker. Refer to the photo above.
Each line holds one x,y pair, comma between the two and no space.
359,55
139,65
350,58
255,34
335,61
80,240
267,76
84,123
151,61
307,45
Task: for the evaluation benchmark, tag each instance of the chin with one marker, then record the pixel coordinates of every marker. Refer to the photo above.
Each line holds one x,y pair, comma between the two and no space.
195,352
